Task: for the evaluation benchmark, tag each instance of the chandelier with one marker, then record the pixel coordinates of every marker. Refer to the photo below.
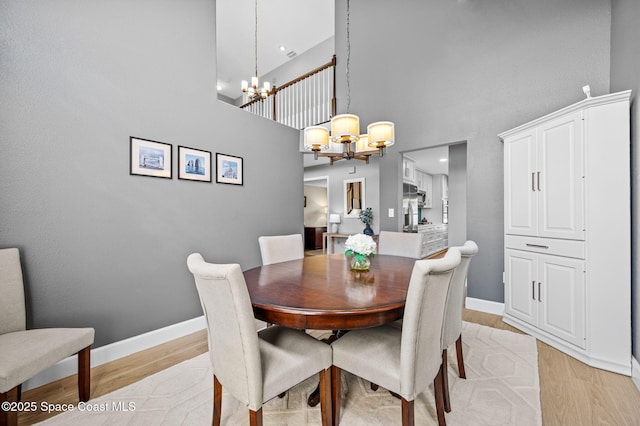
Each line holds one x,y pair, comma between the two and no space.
345,130
254,91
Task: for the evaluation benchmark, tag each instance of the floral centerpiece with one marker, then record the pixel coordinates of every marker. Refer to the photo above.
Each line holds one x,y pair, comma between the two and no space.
366,216
360,247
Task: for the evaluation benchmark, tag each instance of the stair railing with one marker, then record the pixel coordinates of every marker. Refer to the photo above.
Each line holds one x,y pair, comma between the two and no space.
304,101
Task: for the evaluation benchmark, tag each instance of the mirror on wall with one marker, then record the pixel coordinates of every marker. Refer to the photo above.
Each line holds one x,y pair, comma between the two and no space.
354,200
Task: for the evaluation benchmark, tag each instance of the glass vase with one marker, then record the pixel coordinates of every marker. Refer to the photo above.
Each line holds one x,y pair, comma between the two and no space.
360,263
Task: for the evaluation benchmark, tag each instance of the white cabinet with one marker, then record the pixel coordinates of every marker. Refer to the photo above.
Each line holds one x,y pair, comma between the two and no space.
567,230
445,187
424,182
435,237
408,170
547,292
544,179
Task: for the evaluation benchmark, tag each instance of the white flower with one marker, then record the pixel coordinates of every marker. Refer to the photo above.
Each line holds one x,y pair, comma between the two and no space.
360,244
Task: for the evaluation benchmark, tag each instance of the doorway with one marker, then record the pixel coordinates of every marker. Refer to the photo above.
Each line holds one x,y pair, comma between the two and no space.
316,201
443,171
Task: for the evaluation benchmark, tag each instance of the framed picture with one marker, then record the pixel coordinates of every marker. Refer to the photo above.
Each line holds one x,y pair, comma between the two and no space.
228,169
150,158
194,164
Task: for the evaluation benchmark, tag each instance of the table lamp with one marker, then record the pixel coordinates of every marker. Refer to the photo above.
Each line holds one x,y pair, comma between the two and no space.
334,220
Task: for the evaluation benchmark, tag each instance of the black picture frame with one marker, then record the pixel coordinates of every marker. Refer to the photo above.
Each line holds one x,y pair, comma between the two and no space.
229,169
150,158
194,164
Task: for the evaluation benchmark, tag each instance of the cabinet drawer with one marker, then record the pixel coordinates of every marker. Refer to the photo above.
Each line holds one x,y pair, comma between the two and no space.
568,248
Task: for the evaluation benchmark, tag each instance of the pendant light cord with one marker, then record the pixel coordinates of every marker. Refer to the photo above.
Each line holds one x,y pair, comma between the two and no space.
348,55
256,37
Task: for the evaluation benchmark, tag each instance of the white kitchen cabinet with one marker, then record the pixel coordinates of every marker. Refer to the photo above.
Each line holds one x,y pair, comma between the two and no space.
408,170
427,180
547,292
435,237
445,187
567,230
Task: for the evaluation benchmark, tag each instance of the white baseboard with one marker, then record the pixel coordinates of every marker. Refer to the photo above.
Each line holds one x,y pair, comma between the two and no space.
116,350
487,306
635,372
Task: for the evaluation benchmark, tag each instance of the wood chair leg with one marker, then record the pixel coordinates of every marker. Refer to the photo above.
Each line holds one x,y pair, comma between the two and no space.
445,382
217,401
335,395
9,418
374,387
19,392
84,374
461,372
407,413
325,397
255,417
437,390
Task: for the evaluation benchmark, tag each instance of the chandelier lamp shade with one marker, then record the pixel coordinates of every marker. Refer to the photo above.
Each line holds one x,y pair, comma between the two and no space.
345,129
254,90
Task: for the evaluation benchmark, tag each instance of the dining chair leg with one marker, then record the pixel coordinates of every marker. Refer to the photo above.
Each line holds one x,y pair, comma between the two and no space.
461,372
84,374
255,417
445,382
335,394
407,413
9,417
438,393
217,401
325,397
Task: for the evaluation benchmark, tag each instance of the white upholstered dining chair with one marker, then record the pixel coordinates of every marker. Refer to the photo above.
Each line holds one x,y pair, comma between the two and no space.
253,367
25,353
281,248
452,327
407,244
404,361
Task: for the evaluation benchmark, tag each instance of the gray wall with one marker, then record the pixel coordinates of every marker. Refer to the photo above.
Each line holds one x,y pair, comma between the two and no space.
102,248
465,70
625,74
457,194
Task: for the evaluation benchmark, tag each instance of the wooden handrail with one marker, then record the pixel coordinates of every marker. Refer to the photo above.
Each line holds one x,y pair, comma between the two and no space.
275,90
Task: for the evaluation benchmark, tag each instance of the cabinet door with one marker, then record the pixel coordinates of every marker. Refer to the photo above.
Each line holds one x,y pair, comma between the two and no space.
428,190
520,285
520,208
560,178
409,171
561,296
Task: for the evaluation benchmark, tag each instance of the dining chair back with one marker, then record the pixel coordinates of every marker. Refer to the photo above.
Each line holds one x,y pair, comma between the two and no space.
404,361
253,366
452,326
407,244
25,353
281,248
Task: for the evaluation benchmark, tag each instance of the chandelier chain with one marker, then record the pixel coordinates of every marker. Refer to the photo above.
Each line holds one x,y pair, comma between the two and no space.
256,36
348,55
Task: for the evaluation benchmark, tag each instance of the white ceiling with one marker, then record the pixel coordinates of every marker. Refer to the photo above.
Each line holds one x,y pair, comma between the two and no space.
428,159
297,25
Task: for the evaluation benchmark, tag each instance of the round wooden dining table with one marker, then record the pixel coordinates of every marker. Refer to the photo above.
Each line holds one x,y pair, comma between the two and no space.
323,293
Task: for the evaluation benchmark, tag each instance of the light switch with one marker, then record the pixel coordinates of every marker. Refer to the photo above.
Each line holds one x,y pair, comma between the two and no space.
391,213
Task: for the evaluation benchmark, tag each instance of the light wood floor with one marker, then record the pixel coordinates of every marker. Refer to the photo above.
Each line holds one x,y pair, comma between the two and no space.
571,393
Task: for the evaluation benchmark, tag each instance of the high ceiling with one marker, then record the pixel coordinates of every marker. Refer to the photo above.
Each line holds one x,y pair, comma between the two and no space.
297,25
